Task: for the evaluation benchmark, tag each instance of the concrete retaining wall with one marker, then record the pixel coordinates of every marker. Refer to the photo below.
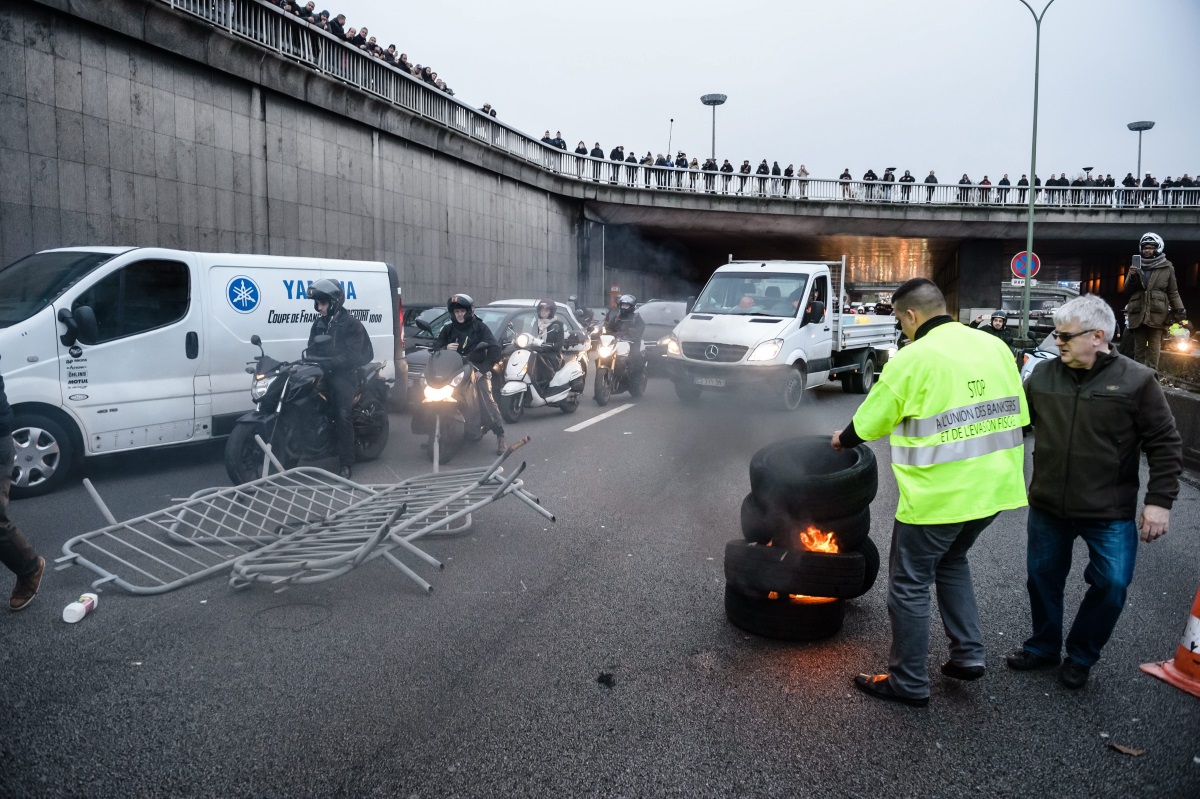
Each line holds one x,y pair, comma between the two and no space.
105,139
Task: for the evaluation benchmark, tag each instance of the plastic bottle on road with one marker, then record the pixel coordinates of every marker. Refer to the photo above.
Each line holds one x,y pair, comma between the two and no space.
80,608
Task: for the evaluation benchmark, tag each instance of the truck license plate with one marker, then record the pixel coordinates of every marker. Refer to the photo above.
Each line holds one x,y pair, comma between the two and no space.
710,381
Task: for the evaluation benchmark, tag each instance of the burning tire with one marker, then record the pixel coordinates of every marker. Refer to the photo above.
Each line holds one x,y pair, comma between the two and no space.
870,555
808,479
784,618
763,521
758,570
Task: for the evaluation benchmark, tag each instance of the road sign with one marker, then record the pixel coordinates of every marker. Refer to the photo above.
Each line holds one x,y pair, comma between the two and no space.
1020,281
1020,265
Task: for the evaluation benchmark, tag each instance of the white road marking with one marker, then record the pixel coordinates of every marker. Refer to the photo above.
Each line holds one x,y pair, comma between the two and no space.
601,417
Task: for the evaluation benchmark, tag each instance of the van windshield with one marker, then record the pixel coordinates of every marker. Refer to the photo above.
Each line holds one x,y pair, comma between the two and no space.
30,284
752,294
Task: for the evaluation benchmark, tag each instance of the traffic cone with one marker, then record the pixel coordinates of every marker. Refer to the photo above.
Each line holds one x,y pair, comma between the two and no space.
1184,671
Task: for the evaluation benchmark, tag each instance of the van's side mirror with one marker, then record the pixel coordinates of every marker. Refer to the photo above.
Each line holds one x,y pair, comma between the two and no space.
81,326
815,312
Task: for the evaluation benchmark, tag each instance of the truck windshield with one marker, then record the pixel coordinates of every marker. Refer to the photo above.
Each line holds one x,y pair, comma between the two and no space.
752,294
30,284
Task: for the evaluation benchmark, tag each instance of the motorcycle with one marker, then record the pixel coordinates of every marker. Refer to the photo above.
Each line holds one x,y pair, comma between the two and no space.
520,391
293,414
614,372
449,412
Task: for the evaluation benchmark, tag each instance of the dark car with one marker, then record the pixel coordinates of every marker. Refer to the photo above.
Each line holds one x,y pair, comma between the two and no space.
660,317
498,318
412,333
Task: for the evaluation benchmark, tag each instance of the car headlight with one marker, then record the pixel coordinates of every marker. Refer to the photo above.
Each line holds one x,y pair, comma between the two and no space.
443,394
259,388
671,343
522,341
767,351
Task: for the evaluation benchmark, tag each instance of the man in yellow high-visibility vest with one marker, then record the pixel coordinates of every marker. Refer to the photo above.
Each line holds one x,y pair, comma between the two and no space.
953,404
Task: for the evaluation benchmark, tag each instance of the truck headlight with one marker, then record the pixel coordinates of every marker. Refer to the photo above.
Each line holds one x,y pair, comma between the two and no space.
671,343
767,351
258,389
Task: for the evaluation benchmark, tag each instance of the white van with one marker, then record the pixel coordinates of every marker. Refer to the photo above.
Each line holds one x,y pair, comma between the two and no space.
116,348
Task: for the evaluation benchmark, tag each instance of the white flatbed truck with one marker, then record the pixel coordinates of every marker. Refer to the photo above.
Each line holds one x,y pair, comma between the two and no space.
767,326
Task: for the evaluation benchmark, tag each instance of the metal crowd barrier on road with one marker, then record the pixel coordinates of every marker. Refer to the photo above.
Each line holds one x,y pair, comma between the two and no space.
271,27
302,525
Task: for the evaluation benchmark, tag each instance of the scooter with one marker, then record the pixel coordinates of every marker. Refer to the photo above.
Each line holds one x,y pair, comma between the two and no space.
613,370
449,412
520,391
293,415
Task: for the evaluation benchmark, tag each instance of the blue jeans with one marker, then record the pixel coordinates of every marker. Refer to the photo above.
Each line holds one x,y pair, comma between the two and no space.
1112,549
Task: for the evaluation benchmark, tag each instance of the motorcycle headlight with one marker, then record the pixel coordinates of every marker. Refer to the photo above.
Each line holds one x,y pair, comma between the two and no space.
258,389
606,350
767,351
522,341
671,343
443,394
458,378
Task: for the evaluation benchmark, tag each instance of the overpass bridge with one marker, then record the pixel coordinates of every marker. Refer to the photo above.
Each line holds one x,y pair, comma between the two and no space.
230,125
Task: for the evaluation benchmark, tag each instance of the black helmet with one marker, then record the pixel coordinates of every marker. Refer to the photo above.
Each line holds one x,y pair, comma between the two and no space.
326,290
1000,315
463,301
549,305
622,301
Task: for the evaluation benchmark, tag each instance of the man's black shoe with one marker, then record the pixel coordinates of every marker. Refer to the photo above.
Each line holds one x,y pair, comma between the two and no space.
1073,674
957,672
1024,660
880,687
344,472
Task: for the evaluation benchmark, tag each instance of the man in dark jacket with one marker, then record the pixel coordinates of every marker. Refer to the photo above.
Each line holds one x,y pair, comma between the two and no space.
337,26
16,553
709,180
1002,193
1154,300
1094,412
625,324
930,182
597,153
744,170
349,349
467,335
997,325
727,168
616,156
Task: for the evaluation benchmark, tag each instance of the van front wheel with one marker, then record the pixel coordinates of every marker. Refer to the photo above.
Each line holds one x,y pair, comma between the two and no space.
45,455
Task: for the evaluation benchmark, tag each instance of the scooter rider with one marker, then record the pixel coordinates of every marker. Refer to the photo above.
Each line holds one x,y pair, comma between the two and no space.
349,349
623,323
550,330
467,335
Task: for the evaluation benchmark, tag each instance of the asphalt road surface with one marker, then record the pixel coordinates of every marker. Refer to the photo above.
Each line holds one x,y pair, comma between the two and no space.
587,657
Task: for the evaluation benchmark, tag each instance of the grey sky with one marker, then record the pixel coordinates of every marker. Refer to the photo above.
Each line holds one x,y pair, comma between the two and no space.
920,84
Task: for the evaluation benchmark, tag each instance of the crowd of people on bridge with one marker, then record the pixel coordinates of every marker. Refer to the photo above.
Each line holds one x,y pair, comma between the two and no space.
771,180
336,25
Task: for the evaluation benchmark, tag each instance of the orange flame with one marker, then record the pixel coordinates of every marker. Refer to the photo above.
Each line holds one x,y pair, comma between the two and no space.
803,599
814,540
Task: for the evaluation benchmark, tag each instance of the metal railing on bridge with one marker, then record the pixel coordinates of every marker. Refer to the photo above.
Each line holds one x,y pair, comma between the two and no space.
270,27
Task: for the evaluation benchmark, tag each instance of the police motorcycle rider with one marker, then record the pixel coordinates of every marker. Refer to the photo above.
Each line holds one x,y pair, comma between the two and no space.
466,334
349,348
997,326
550,330
623,323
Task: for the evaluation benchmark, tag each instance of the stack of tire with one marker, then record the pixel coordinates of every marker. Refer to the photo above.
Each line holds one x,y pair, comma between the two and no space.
774,586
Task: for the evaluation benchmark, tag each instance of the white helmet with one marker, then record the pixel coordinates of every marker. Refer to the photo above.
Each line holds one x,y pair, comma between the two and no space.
1155,239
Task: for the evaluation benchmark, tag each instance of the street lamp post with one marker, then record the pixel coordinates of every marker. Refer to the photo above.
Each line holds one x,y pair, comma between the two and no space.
1140,127
1037,58
714,100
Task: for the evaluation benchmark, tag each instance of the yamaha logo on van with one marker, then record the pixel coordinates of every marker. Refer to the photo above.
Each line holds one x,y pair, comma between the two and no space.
242,293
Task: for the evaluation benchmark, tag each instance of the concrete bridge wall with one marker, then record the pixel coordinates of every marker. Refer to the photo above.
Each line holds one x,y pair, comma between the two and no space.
105,139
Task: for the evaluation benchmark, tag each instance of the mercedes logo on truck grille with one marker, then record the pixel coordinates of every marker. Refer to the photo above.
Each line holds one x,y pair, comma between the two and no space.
711,351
